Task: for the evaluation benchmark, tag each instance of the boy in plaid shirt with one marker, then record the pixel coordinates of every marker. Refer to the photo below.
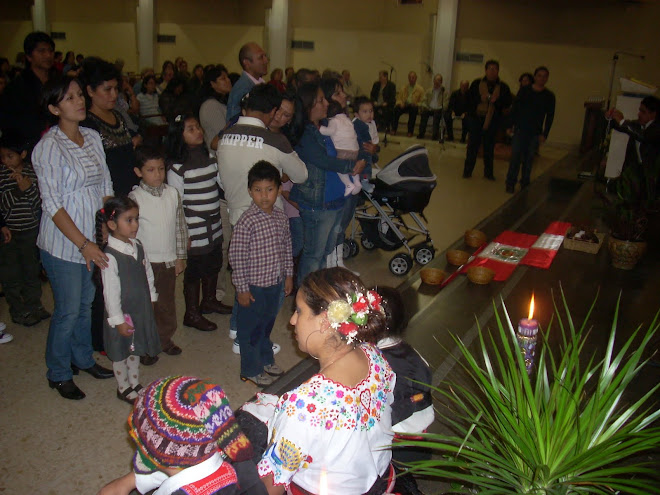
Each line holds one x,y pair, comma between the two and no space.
260,256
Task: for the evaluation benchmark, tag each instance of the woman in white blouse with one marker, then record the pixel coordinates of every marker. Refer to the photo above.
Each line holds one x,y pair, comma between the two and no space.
335,428
74,181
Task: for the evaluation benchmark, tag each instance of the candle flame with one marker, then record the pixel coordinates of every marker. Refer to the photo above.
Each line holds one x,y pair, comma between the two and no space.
531,308
323,484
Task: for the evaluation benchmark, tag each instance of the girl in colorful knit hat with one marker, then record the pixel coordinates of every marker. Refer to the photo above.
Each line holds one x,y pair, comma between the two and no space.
187,442
129,329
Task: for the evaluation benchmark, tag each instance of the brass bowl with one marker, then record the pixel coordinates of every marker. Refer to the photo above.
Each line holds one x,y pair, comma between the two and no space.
457,257
480,275
474,238
432,276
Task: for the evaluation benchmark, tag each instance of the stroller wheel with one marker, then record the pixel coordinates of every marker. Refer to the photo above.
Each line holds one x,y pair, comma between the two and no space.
366,243
400,264
350,248
424,254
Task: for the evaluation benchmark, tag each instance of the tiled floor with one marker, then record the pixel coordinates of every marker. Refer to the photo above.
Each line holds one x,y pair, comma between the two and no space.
53,446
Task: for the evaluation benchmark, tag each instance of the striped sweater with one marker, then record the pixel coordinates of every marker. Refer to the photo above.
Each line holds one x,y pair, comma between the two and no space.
197,183
21,210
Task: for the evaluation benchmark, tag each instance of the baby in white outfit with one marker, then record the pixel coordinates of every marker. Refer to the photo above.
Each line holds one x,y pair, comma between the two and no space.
341,131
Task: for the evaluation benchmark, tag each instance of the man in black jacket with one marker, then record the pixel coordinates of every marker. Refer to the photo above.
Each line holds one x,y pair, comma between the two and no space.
20,107
383,94
487,97
532,115
644,133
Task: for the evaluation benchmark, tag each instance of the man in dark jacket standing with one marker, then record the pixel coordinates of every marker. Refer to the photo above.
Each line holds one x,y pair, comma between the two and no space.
532,115
488,97
20,107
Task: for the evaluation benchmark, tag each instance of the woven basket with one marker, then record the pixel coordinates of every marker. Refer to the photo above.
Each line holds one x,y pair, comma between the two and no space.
474,238
480,275
457,257
432,276
585,247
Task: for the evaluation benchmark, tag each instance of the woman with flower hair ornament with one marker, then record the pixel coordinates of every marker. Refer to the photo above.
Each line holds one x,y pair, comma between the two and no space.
337,424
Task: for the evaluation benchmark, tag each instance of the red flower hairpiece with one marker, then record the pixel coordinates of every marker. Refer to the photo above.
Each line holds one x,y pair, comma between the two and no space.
346,316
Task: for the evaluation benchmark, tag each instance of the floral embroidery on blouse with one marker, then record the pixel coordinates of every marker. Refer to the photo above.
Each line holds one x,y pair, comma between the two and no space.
320,407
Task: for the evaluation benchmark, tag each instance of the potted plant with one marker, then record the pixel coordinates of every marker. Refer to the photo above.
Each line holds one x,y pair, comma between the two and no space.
628,212
567,429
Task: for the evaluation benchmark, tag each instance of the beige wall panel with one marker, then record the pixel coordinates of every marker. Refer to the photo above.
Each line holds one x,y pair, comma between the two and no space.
108,40
361,52
206,44
365,15
595,23
12,34
91,11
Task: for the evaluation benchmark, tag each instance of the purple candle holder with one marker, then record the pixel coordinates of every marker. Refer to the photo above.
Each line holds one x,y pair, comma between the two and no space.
526,336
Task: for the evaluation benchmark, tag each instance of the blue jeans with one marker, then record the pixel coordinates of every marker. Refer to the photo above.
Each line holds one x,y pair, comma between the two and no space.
69,336
523,148
296,228
347,213
255,323
320,238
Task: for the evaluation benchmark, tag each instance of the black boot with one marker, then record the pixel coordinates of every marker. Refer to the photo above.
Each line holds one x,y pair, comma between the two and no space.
209,303
193,317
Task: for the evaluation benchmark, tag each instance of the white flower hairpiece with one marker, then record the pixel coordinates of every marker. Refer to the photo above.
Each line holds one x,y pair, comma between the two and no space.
346,316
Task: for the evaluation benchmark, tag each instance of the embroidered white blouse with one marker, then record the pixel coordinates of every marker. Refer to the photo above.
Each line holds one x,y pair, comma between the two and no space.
323,425
72,177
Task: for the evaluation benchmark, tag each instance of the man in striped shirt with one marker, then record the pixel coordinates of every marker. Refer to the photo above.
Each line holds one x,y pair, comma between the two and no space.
20,206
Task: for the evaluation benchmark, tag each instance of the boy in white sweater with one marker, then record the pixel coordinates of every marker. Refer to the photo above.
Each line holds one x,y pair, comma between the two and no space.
164,235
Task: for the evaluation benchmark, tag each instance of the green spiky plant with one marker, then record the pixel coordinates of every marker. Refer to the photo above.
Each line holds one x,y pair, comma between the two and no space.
563,431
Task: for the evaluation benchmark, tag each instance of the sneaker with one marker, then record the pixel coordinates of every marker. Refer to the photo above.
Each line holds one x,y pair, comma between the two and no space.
26,319
273,370
232,334
236,349
260,380
4,336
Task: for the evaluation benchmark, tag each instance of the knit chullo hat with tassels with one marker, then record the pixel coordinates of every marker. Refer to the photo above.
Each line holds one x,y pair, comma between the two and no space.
180,421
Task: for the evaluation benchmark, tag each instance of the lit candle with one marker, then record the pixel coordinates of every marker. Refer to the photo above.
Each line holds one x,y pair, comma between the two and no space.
527,331
323,482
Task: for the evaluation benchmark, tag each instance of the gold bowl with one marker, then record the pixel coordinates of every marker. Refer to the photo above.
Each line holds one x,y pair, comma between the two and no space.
432,276
480,275
457,257
474,238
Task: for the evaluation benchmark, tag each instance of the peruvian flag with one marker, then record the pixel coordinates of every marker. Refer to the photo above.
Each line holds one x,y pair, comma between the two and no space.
509,249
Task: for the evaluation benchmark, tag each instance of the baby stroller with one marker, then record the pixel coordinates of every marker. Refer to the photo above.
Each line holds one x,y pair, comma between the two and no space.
403,186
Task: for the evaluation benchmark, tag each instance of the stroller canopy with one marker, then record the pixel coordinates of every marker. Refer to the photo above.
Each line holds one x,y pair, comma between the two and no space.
411,166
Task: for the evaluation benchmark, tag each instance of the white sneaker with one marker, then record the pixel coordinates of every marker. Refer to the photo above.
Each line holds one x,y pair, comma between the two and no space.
5,337
236,349
232,335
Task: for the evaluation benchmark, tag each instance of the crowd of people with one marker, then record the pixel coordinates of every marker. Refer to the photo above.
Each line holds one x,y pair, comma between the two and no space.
486,109
114,216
